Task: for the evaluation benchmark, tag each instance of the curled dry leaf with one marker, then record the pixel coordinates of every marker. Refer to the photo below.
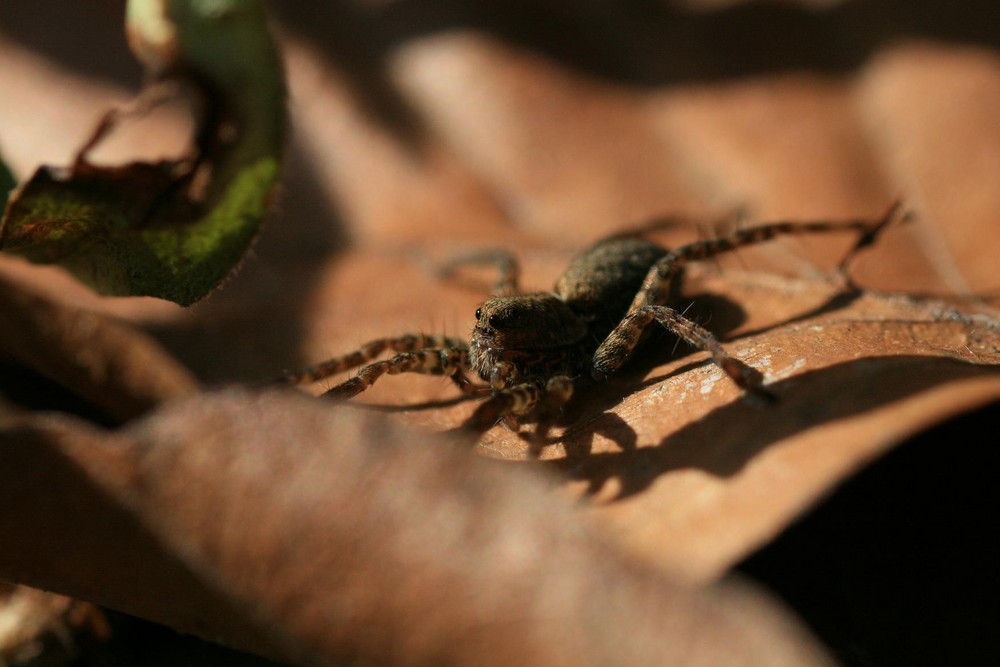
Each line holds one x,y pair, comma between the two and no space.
378,546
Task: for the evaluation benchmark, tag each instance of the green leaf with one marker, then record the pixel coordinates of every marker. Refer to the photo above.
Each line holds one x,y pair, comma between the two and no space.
171,229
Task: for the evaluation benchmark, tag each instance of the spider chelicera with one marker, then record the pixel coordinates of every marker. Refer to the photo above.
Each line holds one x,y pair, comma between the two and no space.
530,348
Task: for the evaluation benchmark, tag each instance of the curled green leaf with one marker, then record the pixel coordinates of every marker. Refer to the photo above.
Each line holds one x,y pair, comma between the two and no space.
172,229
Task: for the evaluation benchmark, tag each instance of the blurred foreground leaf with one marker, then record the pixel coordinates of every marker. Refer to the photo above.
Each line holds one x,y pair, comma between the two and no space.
349,540
172,229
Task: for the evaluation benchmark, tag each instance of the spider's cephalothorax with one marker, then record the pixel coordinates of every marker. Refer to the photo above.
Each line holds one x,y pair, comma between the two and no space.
534,335
530,347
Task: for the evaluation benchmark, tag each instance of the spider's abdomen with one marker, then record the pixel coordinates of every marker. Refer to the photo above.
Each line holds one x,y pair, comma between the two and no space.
601,282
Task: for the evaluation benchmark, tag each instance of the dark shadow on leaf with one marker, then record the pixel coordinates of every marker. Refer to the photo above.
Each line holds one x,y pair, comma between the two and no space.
30,390
915,561
354,41
648,42
410,407
639,42
86,37
837,301
607,424
724,441
643,42
636,42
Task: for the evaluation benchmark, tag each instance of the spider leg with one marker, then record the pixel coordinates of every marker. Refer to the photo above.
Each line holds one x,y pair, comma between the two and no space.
655,287
871,234
429,361
524,398
467,386
369,351
619,344
508,269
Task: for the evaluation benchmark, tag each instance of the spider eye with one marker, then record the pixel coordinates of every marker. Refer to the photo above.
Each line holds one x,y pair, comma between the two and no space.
479,313
494,321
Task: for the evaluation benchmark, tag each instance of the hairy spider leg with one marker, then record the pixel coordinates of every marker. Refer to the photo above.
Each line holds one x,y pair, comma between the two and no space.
895,213
523,398
619,344
370,350
508,269
449,361
655,286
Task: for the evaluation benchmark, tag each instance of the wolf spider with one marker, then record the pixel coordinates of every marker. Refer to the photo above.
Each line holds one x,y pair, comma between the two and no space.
531,347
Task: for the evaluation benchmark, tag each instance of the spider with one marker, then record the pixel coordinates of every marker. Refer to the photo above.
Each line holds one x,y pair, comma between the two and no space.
530,348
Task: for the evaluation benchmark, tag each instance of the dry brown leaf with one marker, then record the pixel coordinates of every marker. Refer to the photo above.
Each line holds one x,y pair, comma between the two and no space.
379,546
424,129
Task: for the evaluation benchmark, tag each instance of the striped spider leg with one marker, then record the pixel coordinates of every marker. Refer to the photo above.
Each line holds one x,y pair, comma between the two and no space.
647,306
415,353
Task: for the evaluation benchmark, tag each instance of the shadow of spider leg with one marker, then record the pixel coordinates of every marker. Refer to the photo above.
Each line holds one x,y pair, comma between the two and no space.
431,355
